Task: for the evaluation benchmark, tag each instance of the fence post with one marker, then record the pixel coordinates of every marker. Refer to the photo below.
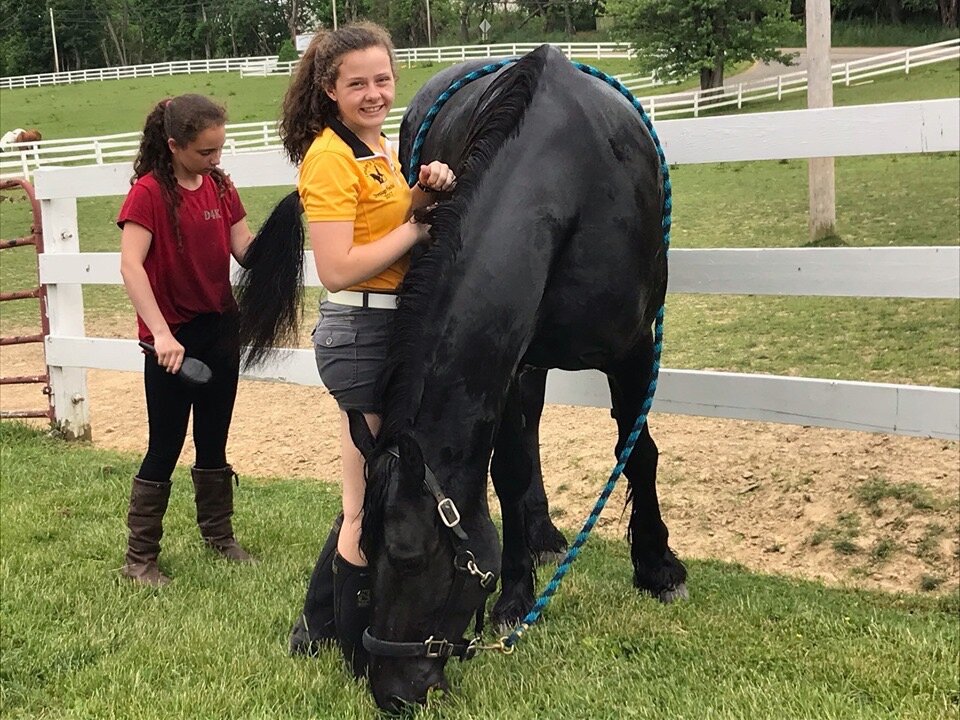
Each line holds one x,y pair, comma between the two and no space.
779,87
739,96
846,74
906,62
696,104
98,151
68,386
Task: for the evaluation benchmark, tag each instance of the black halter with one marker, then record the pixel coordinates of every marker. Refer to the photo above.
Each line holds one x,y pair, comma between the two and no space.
465,563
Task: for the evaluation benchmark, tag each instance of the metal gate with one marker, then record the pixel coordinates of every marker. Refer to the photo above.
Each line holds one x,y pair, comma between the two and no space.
34,240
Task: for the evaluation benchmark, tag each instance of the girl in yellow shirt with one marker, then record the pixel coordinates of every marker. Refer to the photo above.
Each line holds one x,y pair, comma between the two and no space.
360,221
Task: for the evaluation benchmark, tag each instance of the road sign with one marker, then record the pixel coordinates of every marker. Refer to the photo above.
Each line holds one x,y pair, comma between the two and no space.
485,28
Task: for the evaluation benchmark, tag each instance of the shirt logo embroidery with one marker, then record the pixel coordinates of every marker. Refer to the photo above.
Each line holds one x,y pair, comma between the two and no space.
378,176
212,214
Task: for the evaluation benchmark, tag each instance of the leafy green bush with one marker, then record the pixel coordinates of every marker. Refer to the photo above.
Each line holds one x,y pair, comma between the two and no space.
287,52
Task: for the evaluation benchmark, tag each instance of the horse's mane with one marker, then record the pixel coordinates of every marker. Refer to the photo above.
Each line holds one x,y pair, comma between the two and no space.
502,109
503,106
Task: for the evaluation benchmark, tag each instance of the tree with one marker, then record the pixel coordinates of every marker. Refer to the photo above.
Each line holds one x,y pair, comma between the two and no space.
948,12
680,38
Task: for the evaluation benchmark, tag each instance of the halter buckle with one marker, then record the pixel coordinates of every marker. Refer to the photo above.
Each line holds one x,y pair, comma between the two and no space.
448,512
436,648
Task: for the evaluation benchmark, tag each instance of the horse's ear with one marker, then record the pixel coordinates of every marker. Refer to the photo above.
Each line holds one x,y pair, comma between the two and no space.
411,463
360,433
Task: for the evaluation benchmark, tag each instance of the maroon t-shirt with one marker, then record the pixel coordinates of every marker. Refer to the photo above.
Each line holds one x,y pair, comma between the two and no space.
194,279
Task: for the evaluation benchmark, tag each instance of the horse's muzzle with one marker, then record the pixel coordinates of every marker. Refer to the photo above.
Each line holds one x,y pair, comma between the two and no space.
398,692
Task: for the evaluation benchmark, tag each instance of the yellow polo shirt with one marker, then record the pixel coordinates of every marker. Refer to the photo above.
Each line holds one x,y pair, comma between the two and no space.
341,179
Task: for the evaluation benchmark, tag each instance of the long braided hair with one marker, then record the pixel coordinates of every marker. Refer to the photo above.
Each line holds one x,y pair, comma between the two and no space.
180,118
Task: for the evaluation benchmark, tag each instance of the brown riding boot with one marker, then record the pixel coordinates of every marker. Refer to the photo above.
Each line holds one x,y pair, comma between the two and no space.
213,493
148,503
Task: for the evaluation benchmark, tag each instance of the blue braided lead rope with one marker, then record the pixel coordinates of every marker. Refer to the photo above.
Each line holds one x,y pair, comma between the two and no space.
412,172
507,643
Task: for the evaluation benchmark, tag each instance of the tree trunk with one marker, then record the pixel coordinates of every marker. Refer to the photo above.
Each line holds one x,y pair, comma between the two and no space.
233,37
568,20
948,12
206,32
464,22
121,60
292,22
894,10
712,77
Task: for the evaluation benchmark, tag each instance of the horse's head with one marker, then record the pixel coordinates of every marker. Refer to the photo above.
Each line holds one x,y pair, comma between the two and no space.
432,569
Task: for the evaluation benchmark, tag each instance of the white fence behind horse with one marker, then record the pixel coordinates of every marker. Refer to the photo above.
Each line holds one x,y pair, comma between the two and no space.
914,127
21,161
267,64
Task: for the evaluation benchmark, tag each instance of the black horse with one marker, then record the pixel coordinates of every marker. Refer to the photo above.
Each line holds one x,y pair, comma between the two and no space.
549,254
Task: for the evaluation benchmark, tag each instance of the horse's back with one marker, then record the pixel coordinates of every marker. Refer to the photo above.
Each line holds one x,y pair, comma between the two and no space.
612,263
578,184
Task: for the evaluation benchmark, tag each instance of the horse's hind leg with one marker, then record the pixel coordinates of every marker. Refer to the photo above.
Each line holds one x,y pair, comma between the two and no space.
511,470
546,542
655,568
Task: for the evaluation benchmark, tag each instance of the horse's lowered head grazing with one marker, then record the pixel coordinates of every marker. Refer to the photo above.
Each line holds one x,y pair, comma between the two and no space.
433,567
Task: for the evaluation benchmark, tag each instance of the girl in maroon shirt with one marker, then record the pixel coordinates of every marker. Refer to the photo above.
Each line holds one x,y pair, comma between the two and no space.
181,222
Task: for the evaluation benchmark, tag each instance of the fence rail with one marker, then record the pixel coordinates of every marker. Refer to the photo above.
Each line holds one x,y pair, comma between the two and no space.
917,127
175,67
21,160
266,64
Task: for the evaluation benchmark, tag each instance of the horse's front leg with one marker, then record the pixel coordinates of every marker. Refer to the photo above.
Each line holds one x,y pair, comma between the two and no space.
511,470
546,542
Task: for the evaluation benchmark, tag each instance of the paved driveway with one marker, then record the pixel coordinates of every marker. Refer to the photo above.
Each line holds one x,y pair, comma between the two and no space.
763,70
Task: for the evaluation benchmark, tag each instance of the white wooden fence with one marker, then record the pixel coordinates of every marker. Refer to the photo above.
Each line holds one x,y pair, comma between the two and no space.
22,160
928,272
175,67
265,64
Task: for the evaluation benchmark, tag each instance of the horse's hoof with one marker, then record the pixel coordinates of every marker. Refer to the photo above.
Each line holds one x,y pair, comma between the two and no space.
300,644
507,616
674,593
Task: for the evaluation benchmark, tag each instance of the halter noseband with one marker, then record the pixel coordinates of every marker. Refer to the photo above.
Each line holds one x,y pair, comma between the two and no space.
465,564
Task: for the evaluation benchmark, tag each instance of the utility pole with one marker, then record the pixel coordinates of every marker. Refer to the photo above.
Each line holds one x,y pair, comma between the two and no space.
333,3
429,28
53,32
822,181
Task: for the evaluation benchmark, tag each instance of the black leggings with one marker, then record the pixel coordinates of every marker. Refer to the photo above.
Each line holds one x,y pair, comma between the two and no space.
213,339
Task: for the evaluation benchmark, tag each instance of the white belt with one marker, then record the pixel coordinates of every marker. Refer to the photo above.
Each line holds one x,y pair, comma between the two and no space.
379,301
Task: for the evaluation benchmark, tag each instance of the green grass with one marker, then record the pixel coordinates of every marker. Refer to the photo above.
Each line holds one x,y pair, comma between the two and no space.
117,106
876,489
77,641
862,33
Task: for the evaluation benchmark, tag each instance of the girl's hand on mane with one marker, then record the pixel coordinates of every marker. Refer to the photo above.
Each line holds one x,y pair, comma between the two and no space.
436,177
420,224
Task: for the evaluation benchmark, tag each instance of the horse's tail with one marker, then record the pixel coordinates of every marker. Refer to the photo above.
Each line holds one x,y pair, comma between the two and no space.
270,288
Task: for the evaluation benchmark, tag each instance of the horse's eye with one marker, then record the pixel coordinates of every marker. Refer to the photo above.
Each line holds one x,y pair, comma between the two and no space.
409,564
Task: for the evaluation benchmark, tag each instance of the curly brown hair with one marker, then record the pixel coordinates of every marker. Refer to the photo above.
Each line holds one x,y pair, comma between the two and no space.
181,119
307,109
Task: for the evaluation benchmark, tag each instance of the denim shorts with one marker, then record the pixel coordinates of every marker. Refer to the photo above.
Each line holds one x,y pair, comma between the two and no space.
350,344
